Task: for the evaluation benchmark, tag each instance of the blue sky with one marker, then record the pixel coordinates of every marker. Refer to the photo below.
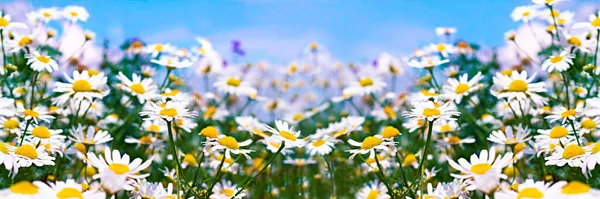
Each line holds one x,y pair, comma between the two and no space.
278,30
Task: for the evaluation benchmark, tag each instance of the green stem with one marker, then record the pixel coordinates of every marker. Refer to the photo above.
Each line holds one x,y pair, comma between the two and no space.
25,131
575,131
247,182
424,157
214,181
384,178
331,178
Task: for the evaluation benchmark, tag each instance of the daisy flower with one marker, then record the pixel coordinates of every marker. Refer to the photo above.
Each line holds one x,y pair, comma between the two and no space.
7,159
531,189
155,49
558,135
75,13
518,87
427,63
564,114
287,134
142,89
572,154
226,190
234,85
587,125
229,144
370,144
442,48
48,14
509,137
441,31
365,86
27,154
592,24
172,62
144,140
41,63
560,62
484,164
43,135
273,143
67,189
82,86
590,161
322,146
299,161
457,89
10,126
35,115
431,111
167,111
6,23
114,163
23,190
448,142
252,125
577,190
579,42
524,13
374,190
89,137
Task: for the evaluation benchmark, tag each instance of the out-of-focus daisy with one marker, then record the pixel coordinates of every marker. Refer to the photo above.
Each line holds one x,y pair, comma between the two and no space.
441,31
22,190
235,86
365,85
590,161
431,111
299,161
518,87
287,134
142,89
7,159
427,63
41,63
560,62
572,154
457,89
579,42
524,13
226,190
442,48
592,24
10,126
374,190
172,62
321,146
370,144
251,125
577,190
531,189
75,13
167,111
67,189
588,125
6,23
155,49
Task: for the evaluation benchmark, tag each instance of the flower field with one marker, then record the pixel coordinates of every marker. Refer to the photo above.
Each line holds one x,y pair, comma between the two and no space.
157,121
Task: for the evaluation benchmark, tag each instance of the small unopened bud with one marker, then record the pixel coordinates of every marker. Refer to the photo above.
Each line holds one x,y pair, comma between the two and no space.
589,68
11,68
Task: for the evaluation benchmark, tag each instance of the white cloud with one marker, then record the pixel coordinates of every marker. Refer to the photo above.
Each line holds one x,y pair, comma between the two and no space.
177,34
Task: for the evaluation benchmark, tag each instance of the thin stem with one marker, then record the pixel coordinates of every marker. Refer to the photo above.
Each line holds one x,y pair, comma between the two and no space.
331,178
575,131
162,86
567,89
596,52
25,131
555,24
435,83
214,181
385,181
424,157
247,182
355,107
33,80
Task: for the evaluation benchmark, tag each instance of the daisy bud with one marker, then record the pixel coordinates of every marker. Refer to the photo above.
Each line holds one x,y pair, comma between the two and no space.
11,68
390,132
589,68
209,132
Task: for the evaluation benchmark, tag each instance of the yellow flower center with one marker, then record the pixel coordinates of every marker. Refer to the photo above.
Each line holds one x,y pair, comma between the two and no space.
229,142
154,128
531,193
572,151
389,112
370,142
596,22
318,143
431,112
31,113
43,59
596,148
441,47
445,128
24,187
517,86
558,132
3,148
158,47
210,112
233,82
574,41
409,159
462,88
340,132
69,193
556,59
526,13
118,168
227,192
27,151
428,94
209,132
288,135
588,124
519,147
568,113
168,112
453,140
137,88
364,82
190,159
11,124
25,41
41,132
481,168
74,14
145,140
3,22
390,132
82,86
80,147
298,117
575,187
373,194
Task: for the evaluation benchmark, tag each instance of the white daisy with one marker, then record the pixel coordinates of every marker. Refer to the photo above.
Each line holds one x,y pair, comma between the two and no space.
321,145
564,114
37,114
6,23
560,62
89,137
22,190
366,85
593,23
431,111
370,144
167,111
142,89
518,87
75,13
509,137
572,154
577,190
229,144
234,85
82,86
484,164
374,190
114,163
457,89
40,62
287,134
27,154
